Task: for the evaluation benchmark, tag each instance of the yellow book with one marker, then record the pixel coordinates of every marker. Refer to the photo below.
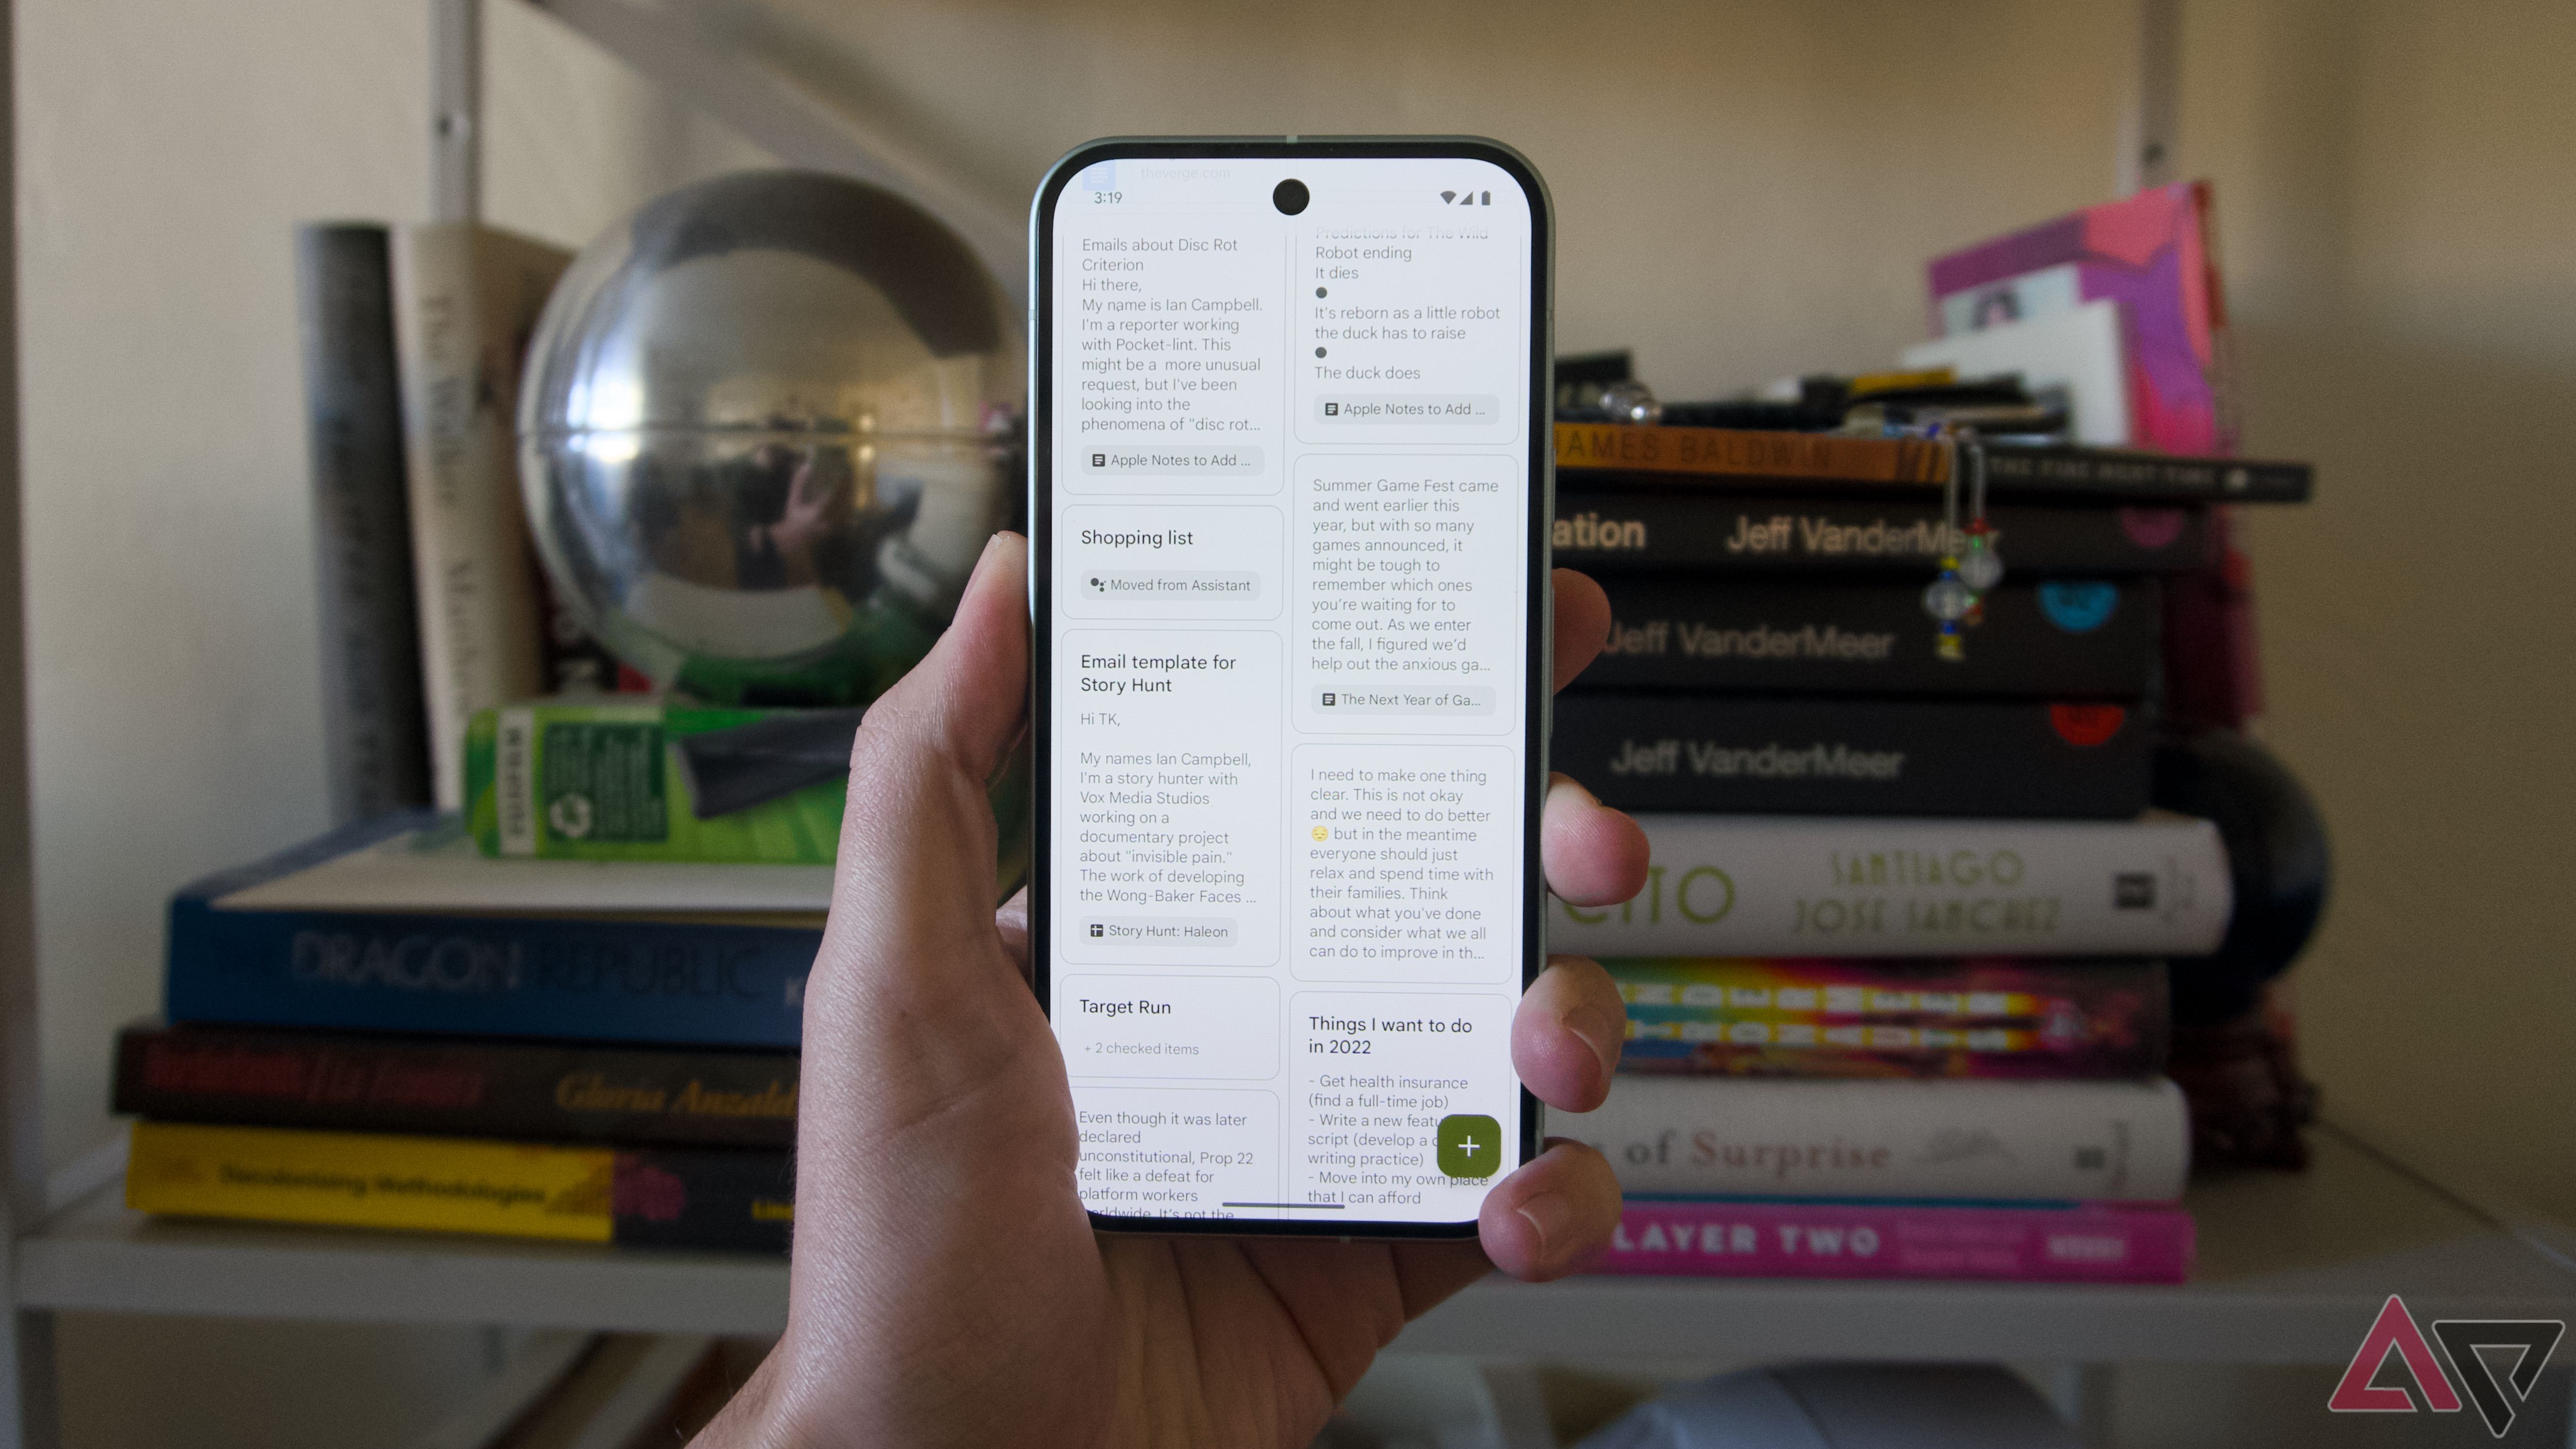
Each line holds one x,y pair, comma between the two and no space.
355,1179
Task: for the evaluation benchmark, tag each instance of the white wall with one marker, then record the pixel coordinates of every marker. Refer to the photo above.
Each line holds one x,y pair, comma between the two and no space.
166,150
2398,210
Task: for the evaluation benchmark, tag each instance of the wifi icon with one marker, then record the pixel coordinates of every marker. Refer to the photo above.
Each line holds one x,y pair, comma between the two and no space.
1448,196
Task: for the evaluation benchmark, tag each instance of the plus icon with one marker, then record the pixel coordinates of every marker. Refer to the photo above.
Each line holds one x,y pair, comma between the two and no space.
1469,1146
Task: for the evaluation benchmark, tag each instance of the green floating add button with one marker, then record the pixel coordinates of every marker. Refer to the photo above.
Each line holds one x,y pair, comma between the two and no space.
1470,1146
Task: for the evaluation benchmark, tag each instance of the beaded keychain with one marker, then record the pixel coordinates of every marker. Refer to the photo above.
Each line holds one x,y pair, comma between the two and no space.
1958,597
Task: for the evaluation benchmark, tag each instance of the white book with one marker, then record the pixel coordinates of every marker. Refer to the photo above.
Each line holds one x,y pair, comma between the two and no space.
2075,352
1778,885
465,299
1750,1136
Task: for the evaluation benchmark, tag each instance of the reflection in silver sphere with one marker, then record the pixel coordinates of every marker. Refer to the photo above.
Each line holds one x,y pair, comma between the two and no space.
768,424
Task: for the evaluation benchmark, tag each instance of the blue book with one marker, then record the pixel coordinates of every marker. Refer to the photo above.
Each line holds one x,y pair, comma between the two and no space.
397,924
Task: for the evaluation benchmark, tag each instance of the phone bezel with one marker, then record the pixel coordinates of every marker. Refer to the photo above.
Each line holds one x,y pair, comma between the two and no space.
1540,612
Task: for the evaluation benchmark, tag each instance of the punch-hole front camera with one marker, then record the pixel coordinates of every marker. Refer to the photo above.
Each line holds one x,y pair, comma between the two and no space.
1289,196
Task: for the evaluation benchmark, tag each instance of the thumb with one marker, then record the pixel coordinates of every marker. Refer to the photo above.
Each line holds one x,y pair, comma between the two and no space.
912,965
933,1116
966,699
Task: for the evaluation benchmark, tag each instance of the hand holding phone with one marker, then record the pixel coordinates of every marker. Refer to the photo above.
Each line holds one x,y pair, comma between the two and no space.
947,1285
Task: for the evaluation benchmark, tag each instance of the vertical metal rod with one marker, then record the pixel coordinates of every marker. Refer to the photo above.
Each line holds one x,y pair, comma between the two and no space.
2148,131
456,110
26,1339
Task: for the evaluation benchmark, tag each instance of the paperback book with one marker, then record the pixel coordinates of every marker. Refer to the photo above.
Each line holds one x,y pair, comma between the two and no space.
2033,1243
2056,639
466,299
1803,1017
661,1198
1615,532
1857,755
1756,886
2014,1141
457,1086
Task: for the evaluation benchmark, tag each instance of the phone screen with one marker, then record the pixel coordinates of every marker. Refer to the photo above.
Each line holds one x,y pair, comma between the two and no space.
1291,675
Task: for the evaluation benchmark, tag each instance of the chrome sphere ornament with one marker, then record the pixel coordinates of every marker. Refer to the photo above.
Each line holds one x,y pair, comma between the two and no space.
768,424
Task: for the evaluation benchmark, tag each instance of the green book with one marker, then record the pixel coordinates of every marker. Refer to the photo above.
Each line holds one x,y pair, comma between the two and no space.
610,779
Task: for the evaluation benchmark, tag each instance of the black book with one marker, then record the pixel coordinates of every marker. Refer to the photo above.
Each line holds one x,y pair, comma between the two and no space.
2059,639
1645,532
1857,756
1606,456
457,1086
683,1198
375,726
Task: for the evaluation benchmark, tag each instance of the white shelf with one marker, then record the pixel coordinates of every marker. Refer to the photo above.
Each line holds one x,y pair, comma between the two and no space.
2293,1268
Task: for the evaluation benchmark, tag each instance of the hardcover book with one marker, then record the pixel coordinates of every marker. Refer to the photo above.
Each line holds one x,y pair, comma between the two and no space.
2052,639
1857,755
345,933
667,1198
2092,1141
1757,886
1614,532
1948,1018
457,1086
1755,1238
1627,455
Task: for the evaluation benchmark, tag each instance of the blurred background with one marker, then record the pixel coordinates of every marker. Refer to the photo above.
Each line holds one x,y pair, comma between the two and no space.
1745,191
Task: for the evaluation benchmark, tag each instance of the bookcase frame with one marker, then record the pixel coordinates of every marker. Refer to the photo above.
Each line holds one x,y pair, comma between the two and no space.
2294,1267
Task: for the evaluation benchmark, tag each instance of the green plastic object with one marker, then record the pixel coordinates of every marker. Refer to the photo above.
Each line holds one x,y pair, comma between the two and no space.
596,779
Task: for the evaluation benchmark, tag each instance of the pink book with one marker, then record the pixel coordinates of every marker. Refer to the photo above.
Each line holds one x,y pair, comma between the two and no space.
2150,253
1738,1238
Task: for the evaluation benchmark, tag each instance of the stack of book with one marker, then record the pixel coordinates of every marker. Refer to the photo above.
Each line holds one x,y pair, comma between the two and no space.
389,1029
1897,1002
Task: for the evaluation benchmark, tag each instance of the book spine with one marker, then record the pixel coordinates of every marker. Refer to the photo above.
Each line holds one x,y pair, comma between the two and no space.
591,979
680,1199
1721,1238
2143,477
375,738
2059,639
1786,886
1606,533
1995,1019
1610,454
2004,1141
463,309
1739,453
2009,758
441,1087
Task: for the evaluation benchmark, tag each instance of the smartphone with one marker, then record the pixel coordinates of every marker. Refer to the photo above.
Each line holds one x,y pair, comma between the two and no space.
1290,476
